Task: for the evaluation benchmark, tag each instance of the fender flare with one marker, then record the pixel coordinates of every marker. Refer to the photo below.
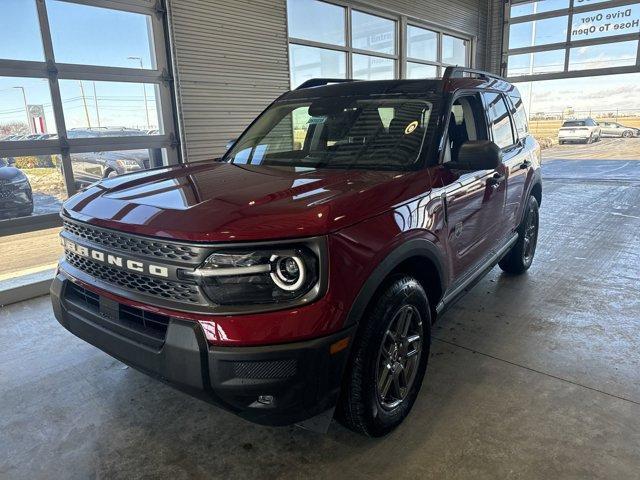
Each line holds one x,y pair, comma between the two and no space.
417,247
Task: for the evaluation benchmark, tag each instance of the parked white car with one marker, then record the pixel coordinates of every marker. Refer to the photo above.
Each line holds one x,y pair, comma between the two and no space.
583,130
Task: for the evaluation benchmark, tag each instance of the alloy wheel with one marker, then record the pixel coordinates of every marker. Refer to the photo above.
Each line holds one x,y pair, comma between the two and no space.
530,235
399,357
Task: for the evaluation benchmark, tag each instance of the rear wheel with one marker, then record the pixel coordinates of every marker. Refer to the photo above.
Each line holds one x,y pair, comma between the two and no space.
388,360
520,257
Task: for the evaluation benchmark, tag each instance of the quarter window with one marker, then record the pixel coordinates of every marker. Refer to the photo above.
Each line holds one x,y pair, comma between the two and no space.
499,120
519,116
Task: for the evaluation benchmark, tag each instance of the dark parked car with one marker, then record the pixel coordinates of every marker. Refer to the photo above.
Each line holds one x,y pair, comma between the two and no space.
16,197
90,167
299,276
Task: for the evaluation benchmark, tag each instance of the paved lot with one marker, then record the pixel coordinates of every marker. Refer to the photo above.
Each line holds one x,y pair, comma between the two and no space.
28,251
605,149
536,376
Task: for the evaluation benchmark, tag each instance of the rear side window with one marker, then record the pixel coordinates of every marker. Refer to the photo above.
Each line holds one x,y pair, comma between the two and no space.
499,120
519,116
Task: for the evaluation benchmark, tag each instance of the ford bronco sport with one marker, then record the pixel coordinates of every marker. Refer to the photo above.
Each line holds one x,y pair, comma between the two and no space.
297,277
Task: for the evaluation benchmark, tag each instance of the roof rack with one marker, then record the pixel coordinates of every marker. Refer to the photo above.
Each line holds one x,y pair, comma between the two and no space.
319,82
458,72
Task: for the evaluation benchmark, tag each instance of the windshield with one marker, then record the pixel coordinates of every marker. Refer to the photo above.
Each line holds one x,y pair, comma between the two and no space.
337,132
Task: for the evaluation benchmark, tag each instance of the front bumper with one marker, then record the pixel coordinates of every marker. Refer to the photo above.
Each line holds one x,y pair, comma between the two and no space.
303,378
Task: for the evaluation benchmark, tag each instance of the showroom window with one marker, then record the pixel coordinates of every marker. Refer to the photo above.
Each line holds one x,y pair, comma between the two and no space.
332,40
85,94
550,39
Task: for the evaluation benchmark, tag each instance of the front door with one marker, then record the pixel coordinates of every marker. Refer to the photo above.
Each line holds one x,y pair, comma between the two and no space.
474,200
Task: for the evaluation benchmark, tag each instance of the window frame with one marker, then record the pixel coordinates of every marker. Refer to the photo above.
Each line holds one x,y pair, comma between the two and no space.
400,57
48,69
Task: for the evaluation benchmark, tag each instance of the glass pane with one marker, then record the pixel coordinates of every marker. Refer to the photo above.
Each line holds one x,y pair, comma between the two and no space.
539,62
366,67
100,36
531,8
25,109
21,31
603,56
316,21
311,62
31,252
606,22
454,51
373,33
422,44
30,186
91,167
418,70
107,109
550,102
539,32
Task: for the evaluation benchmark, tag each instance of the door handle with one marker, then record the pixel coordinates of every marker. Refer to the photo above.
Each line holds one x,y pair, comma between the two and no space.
525,164
495,181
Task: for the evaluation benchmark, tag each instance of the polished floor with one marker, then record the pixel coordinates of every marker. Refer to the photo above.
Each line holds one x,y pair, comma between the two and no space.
536,376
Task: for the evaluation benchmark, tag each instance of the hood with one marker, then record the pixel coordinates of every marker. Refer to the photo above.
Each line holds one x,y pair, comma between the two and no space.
212,202
8,174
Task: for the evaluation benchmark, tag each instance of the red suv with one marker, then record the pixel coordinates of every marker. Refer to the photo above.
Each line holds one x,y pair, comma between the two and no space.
298,276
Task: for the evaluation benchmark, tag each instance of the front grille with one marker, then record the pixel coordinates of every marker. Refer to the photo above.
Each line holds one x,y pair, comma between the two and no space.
265,370
6,192
151,325
136,245
175,291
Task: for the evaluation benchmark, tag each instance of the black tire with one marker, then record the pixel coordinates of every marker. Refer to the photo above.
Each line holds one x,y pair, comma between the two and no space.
519,258
375,359
560,142
627,134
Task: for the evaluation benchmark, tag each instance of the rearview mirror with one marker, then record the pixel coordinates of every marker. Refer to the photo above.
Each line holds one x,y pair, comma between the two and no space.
477,155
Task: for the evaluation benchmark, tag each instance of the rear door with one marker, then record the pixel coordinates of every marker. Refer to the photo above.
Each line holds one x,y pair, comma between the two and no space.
515,160
518,161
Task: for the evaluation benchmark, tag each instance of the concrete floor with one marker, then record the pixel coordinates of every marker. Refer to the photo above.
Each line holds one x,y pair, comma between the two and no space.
536,376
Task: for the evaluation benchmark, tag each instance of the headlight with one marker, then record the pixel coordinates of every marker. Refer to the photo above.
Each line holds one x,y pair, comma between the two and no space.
260,276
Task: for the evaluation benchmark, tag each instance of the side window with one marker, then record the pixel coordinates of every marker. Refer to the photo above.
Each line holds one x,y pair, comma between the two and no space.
499,120
465,123
519,116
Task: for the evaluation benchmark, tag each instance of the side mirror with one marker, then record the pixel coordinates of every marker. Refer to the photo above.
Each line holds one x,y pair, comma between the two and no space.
230,144
477,155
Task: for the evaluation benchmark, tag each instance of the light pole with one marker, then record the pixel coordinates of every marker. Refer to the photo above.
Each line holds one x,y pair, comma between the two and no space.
84,102
26,109
144,90
95,101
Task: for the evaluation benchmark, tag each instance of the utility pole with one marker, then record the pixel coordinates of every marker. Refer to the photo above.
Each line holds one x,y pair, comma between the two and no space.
95,101
144,90
26,109
84,101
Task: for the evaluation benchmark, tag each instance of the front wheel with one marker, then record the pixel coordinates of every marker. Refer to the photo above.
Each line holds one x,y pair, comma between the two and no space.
519,258
388,360
627,134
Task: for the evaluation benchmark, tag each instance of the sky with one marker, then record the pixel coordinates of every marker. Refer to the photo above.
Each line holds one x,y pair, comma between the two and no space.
81,35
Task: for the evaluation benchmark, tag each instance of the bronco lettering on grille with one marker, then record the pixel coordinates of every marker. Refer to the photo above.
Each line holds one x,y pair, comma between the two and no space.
97,255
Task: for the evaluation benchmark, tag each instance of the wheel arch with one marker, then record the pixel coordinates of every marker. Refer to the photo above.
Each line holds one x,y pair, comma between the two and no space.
420,258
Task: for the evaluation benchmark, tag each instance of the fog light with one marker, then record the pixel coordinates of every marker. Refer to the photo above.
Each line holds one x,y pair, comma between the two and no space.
266,399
